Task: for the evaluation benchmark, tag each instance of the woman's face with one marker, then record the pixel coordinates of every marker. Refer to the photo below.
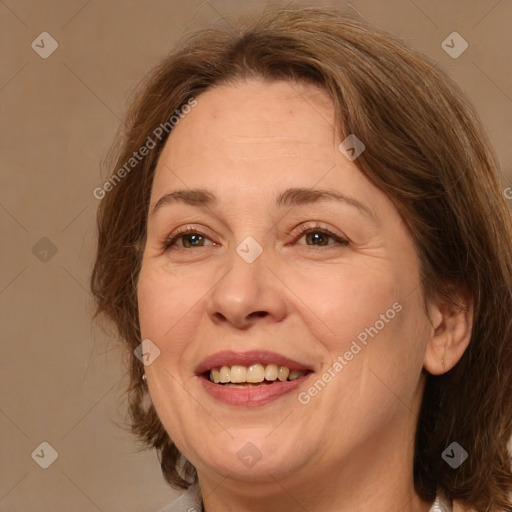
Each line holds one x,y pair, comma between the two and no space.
247,290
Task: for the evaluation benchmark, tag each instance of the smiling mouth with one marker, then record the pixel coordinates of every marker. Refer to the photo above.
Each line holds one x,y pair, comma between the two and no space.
255,375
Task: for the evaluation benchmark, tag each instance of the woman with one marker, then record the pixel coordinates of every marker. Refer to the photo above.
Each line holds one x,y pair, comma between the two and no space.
305,243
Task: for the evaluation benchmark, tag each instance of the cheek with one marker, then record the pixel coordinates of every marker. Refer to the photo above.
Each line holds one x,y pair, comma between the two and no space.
341,303
164,298
152,296
372,316
166,310
167,317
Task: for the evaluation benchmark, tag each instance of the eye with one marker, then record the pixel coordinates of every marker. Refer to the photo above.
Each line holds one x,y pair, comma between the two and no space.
318,236
189,237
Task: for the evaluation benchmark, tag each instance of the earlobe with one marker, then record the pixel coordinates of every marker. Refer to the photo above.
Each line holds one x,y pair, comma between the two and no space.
450,336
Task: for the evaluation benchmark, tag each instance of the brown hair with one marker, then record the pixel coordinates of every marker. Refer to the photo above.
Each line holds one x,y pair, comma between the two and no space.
425,148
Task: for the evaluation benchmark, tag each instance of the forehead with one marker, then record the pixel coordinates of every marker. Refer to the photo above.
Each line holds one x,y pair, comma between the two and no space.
266,100
254,139
254,121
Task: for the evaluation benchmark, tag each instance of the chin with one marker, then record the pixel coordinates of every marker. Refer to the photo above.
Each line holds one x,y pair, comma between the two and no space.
252,458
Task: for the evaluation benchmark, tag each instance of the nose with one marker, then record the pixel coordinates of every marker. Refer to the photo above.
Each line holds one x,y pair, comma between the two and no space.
248,293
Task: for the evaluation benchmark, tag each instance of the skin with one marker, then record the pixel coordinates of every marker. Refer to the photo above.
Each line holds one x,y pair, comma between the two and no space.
351,446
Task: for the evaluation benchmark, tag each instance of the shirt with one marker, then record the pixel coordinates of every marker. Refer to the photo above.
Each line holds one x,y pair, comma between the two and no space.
190,501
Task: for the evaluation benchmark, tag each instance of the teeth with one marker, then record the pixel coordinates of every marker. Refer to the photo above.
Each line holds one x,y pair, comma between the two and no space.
225,374
295,374
244,385
215,375
238,374
271,372
256,373
283,373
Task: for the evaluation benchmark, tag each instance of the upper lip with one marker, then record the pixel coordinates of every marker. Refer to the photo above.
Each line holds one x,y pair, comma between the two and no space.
230,358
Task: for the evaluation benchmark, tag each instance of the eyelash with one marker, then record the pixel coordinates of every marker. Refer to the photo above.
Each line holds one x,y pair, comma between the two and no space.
170,241
303,230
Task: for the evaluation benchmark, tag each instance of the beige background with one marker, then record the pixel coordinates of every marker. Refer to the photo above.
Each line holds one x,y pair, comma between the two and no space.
60,379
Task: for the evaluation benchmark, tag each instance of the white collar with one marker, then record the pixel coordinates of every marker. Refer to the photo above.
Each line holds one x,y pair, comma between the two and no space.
441,504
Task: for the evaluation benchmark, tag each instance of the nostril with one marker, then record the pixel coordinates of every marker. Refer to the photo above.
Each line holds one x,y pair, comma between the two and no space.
259,313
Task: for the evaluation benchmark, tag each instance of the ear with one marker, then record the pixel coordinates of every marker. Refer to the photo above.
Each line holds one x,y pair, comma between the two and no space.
451,332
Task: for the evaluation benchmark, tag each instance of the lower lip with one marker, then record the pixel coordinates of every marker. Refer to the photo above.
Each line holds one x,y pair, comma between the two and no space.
252,396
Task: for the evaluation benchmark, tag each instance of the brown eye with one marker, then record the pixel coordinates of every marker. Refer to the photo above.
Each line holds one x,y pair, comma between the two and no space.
316,237
190,238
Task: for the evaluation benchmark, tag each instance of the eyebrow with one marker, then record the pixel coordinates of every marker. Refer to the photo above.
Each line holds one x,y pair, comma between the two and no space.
290,197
